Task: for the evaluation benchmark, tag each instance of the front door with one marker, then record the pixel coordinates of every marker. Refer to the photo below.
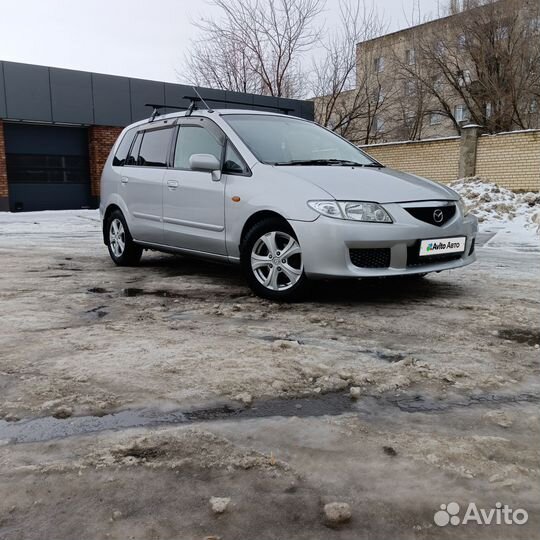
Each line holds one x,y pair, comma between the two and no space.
193,203
141,184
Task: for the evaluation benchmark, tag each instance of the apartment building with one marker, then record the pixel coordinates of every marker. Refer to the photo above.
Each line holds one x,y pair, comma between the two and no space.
481,65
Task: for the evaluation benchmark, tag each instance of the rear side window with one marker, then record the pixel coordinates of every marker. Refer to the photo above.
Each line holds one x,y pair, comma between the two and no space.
134,154
123,148
155,148
195,140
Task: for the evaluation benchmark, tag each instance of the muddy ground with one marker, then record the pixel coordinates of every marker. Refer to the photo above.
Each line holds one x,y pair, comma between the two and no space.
129,397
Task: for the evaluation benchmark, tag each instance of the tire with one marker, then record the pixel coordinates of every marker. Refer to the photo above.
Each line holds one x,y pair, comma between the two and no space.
271,260
122,249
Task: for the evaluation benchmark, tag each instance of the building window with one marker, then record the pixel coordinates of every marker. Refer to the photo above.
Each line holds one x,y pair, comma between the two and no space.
47,169
501,33
378,124
410,57
410,87
438,84
435,119
489,109
534,25
461,113
410,119
440,48
462,42
464,78
533,106
379,64
378,96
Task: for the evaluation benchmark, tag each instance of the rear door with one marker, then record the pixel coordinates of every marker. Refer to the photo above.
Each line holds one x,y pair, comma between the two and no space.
193,203
141,184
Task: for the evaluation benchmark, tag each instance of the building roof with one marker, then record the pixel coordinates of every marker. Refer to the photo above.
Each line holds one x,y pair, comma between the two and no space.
63,96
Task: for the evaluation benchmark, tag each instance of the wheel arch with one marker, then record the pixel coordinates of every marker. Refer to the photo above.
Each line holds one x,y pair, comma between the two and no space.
256,218
110,209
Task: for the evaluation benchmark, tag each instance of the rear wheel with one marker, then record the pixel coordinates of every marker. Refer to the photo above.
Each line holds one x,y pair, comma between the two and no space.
272,261
122,249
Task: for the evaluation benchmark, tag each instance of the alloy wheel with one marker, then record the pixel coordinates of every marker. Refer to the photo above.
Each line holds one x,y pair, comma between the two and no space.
117,237
276,261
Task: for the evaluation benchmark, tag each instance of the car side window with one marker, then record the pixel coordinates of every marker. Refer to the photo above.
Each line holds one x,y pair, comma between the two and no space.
195,140
123,148
233,163
134,154
154,148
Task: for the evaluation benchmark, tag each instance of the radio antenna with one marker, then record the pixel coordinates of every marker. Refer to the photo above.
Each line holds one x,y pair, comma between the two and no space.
201,98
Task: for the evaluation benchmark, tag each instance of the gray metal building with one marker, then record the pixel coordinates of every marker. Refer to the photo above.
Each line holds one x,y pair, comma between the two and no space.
57,126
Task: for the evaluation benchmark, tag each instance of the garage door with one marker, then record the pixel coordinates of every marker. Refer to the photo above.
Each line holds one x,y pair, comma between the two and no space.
47,167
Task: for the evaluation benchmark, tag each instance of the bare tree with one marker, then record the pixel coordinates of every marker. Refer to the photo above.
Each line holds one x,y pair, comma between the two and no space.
255,46
486,62
220,64
348,80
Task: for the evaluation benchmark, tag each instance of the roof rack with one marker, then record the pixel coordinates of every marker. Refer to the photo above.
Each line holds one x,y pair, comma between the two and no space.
156,108
196,99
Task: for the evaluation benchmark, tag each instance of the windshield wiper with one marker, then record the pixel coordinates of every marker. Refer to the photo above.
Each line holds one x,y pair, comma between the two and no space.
323,162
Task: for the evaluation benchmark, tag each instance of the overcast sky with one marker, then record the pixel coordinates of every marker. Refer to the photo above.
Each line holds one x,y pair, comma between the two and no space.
136,38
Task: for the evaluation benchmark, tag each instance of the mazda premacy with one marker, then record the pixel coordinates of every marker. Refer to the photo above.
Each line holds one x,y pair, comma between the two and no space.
283,197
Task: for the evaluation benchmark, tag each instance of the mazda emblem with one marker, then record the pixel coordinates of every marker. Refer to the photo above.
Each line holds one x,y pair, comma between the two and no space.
438,216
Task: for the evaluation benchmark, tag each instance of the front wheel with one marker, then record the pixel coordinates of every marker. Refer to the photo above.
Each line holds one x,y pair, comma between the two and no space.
122,249
272,261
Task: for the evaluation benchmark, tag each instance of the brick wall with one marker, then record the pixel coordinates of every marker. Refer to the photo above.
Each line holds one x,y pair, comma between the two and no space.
100,142
511,160
3,172
434,159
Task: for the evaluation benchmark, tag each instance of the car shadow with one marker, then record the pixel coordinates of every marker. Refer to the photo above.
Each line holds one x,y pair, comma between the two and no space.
184,265
393,290
342,291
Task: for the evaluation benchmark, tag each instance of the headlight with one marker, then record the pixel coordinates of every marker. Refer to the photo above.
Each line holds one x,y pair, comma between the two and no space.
462,207
365,211
355,211
326,208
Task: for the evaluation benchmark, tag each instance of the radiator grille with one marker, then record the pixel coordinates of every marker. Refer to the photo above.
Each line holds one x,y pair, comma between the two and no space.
434,215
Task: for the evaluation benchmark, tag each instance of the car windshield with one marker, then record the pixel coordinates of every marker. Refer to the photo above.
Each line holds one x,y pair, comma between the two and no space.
278,140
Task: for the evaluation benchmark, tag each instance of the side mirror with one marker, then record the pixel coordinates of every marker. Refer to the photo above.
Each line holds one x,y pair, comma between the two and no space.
206,162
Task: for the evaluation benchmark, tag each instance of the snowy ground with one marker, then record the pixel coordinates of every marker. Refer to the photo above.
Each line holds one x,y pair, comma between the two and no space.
513,217
448,407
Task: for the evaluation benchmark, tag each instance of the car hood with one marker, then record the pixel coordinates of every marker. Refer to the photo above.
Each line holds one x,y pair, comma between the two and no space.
370,184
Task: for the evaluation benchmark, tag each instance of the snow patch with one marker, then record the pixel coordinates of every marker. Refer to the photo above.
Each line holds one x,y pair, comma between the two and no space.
499,208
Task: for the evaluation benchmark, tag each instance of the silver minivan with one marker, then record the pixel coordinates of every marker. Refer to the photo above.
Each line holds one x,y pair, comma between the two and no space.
288,200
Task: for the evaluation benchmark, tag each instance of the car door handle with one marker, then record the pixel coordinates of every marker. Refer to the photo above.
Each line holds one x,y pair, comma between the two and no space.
172,184
124,180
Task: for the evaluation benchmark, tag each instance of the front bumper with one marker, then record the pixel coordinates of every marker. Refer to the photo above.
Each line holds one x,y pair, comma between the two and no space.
326,244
